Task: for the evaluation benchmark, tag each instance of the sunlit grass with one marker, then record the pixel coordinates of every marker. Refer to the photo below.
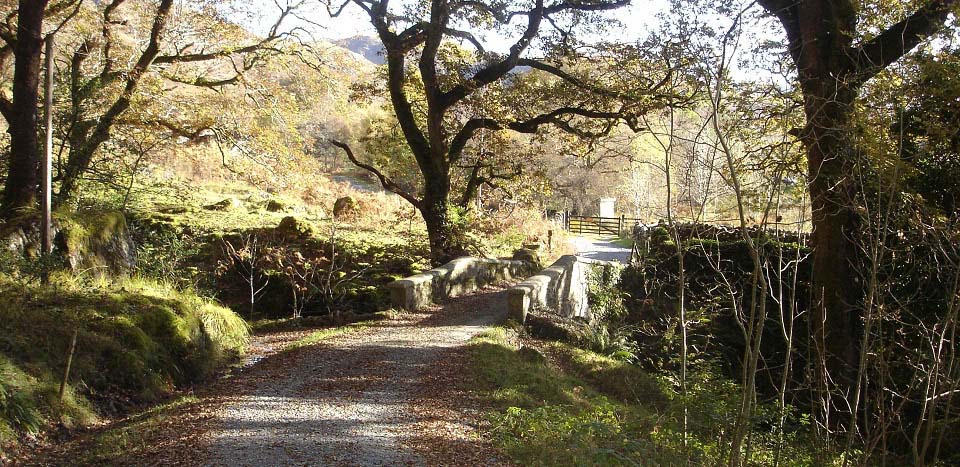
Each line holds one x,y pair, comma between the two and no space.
137,340
323,334
546,416
576,407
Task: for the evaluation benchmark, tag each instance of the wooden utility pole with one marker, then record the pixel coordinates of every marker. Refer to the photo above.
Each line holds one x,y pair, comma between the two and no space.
47,165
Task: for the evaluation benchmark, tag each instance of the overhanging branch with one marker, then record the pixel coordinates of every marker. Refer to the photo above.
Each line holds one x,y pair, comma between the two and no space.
556,117
385,181
273,36
875,55
535,16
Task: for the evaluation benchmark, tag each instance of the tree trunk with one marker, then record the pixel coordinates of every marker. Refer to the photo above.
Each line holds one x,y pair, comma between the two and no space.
79,157
83,150
837,291
820,35
831,161
23,177
444,245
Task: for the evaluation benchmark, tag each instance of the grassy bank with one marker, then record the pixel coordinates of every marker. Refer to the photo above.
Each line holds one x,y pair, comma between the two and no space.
136,341
551,403
185,241
539,405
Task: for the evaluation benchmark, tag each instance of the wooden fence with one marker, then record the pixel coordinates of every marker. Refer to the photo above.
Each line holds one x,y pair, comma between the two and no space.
598,225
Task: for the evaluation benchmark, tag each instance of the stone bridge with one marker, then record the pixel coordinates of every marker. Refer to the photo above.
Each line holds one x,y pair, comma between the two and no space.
562,286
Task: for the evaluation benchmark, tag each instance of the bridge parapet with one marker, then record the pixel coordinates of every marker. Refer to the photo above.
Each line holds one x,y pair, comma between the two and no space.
458,277
563,287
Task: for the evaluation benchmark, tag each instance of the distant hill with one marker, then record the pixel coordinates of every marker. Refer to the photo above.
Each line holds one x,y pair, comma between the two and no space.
367,47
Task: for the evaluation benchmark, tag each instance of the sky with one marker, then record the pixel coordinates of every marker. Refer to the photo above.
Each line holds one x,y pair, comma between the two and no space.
353,21
637,20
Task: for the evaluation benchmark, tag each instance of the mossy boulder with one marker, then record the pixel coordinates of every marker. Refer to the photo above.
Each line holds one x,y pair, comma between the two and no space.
96,241
22,234
291,227
345,206
528,255
226,204
276,205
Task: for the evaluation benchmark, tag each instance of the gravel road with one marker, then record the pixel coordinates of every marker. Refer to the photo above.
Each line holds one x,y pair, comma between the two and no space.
348,400
600,249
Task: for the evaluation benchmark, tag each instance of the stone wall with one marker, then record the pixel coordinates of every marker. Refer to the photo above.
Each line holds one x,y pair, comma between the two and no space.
458,277
562,286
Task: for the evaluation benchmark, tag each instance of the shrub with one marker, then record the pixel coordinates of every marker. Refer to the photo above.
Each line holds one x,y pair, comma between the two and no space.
606,332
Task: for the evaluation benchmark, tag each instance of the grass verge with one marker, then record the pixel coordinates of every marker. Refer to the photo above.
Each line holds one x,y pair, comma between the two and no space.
546,415
555,404
327,333
623,242
128,440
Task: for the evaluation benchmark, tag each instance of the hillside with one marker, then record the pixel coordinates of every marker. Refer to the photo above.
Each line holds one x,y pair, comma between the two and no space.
367,47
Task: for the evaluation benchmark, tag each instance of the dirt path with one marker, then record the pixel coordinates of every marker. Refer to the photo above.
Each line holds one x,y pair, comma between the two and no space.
393,393
601,249
350,400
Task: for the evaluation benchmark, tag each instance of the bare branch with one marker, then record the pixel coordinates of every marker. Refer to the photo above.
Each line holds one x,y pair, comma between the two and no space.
385,181
875,55
558,117
535,17
499,69
467,37
273,36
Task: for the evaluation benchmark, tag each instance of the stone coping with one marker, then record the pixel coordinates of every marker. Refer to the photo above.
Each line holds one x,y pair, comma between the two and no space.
562,286
458,277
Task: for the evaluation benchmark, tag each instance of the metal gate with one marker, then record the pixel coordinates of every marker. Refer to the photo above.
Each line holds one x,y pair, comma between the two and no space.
598,225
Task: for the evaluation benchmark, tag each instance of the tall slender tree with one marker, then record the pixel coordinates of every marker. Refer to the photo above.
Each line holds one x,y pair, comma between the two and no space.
23,176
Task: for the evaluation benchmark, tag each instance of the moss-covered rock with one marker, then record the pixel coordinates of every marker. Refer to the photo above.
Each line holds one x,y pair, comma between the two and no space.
345,206
96,241
226,204
292,228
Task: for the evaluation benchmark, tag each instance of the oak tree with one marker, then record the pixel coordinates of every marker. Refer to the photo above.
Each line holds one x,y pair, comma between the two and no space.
438,131
835,56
